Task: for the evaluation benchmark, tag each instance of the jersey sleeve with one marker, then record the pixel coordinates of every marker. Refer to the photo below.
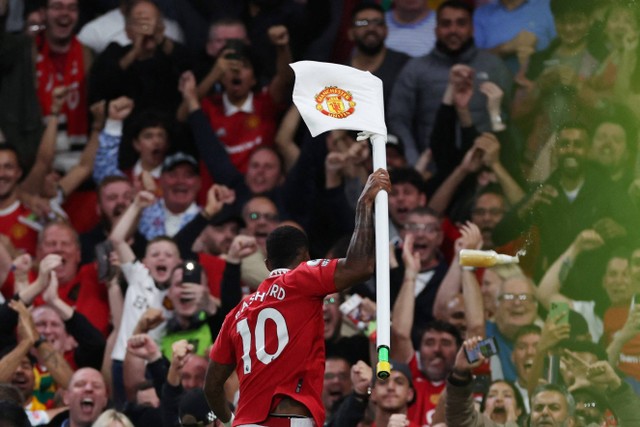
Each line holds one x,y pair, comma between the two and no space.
316,277
133,272
223,348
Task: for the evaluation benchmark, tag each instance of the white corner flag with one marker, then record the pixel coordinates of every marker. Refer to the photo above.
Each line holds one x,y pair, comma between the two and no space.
332,96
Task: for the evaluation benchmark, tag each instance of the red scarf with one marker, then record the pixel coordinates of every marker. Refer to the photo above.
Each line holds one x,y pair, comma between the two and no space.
73,77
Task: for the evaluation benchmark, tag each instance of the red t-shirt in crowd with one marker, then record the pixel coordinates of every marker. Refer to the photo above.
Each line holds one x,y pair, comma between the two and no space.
21,235
629,359
214,267
87,295
242,132
84,293
275,338
427,395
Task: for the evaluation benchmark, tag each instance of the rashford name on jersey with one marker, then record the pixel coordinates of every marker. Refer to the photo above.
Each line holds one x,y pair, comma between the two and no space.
274,291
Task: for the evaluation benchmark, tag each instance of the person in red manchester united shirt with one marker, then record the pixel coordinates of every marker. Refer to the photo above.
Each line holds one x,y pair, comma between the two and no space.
274,338
12,212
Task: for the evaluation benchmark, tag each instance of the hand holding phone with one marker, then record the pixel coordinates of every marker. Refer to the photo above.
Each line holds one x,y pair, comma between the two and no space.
560,311
487,348
237,46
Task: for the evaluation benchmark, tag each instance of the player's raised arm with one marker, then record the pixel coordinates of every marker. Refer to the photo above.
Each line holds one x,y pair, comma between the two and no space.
359,264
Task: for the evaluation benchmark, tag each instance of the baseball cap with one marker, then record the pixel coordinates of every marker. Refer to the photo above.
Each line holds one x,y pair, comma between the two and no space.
175,159
193,409
404,369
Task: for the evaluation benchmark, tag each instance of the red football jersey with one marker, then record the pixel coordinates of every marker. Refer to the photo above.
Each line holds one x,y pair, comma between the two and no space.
21,235
427,395
275,338
242,132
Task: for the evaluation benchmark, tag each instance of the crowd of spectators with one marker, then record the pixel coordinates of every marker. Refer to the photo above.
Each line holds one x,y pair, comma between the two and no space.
147,149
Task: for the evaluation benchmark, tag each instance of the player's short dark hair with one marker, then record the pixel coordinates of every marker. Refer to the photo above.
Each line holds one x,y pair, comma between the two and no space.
455,4
366,5
285,245
407,175
441,326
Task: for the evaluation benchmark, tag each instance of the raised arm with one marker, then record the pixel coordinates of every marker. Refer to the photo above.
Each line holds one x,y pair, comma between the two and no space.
549,288
46,151
5,261
471,294
126,226
26,339
210,149
279,87
108,149
451,285
404,307
141,349
359,264
284,139
630,330
80,172
471,163
28,293
552,333
490,147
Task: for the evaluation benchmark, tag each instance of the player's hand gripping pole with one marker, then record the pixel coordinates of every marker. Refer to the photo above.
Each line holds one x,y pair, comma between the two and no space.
383,368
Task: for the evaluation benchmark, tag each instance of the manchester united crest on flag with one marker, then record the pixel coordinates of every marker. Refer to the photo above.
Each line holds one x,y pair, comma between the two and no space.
332,96
335,102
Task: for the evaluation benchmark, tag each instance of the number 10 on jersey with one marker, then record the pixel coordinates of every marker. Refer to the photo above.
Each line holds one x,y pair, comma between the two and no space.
282,336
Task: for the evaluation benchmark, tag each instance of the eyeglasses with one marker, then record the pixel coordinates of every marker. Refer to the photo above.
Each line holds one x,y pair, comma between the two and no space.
330,301
490,211
254,216
520,297
427,228
366,22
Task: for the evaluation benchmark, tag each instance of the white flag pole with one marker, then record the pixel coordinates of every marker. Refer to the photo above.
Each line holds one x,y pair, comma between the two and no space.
383,316
331,96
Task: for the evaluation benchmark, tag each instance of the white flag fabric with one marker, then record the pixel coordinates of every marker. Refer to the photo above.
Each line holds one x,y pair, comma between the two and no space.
332,96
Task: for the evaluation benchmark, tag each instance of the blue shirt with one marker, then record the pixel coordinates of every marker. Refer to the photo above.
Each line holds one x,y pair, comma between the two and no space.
505,348
416,39
494,24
